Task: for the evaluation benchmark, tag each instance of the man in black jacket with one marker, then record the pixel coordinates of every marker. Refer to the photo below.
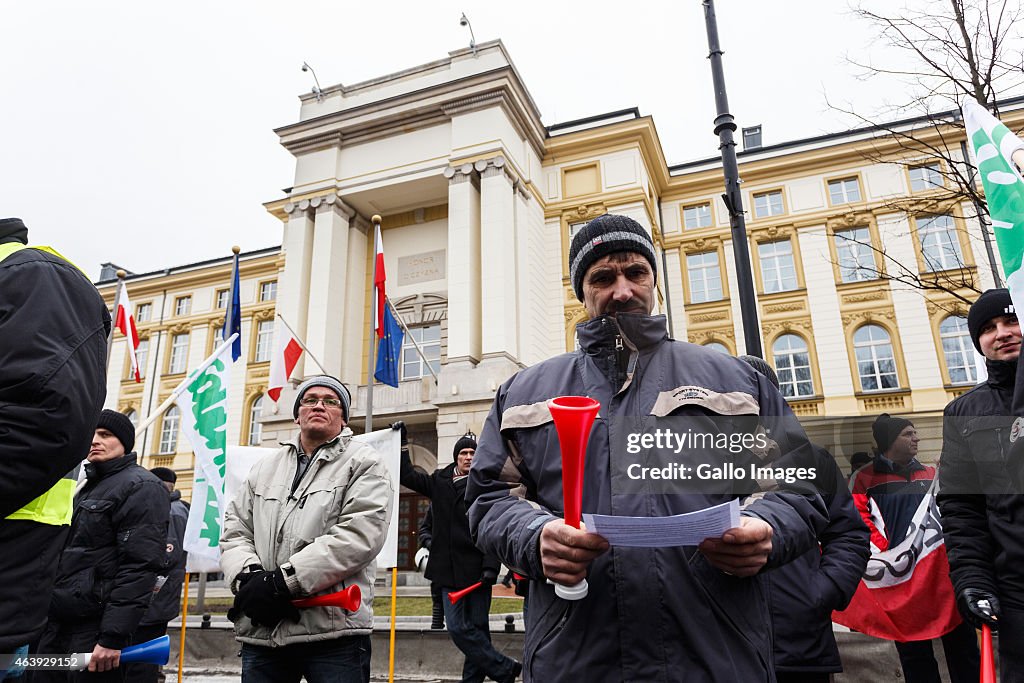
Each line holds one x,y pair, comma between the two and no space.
53,346
165,604
982,510
805,592
456,563
108,567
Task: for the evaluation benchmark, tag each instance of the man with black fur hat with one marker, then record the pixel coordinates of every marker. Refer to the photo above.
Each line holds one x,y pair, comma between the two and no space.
652,614
309,520
456,563
887,493
981,502
53,348
109,565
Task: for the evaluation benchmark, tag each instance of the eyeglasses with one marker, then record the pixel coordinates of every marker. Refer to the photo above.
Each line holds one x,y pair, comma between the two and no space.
328,402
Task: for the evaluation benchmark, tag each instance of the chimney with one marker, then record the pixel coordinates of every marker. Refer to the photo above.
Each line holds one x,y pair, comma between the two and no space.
752,137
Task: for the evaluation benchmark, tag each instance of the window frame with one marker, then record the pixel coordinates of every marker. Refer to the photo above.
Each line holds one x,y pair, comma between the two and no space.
264,337
951,231
146,306
843,181
408,345
173,416
839,243
793,263
703,268
170,353
698,205
260,291
872,344
185,300
767,193
963,337
792,368
927,186
255,426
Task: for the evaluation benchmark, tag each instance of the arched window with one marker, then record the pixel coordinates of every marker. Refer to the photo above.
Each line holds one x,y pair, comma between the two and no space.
793,365
255,428
169,431
876,363
958,349
717,346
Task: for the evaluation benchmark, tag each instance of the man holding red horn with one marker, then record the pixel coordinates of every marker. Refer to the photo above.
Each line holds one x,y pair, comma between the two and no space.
651,613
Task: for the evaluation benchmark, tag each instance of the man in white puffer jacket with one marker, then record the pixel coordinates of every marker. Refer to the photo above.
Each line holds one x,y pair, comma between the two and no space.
309,520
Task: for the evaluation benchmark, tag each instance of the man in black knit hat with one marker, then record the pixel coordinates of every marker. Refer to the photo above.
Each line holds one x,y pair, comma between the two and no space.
109,565
981,502
456,563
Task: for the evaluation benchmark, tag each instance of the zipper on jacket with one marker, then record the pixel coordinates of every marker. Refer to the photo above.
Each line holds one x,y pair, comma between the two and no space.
551,634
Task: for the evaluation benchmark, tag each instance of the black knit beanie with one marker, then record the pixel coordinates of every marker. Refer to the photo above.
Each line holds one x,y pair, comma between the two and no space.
13,230
605,235
165,474
120,426
466,441
761,365
991,304
886,428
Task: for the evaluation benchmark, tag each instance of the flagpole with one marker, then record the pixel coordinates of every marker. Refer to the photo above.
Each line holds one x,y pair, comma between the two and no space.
304,347
184,384
375,219
117,300
411,338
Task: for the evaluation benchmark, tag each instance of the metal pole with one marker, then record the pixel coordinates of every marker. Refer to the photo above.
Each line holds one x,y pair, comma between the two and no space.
117,300
725,126
986,225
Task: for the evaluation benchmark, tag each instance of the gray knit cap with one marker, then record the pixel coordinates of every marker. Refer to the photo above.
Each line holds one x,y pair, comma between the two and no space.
331,383
605,235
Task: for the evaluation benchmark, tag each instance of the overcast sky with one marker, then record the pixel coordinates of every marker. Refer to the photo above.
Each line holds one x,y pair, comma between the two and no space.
142,133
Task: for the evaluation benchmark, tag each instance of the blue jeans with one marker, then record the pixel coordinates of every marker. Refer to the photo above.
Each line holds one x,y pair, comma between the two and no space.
341,660
468,626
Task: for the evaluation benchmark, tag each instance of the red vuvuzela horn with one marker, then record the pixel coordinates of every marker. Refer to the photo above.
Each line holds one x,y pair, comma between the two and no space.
574,417
988,662
458,595
348,599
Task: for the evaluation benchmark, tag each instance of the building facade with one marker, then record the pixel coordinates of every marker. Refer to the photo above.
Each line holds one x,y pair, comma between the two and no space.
479,201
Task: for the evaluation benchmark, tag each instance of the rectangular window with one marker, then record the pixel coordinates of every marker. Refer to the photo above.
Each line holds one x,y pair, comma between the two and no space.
705,277
268,290
768,204
183,305
856,257
778,270
264,335
925,177
222,298
844,191
142,356
698,216
143,313
429,338
179,354
939,244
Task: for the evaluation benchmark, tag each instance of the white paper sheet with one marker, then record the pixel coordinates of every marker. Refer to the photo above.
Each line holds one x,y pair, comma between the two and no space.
662,532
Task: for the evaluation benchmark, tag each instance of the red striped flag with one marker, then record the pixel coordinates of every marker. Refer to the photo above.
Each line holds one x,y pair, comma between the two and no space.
124,320
286,356
378,285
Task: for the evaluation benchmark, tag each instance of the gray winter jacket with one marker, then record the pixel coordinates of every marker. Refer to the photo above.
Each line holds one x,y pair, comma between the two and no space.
331,529
652,614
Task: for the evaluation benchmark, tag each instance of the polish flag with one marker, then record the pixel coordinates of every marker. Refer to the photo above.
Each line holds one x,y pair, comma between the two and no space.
378,285
286,356
124,320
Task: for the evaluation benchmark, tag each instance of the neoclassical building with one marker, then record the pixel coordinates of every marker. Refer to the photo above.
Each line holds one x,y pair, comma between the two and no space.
479,200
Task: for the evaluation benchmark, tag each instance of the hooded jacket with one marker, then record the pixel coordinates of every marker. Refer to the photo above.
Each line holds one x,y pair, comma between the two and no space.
115,548
652,614
980,503
330,528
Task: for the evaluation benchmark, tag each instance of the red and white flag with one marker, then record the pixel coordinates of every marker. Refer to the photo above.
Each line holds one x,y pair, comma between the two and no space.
905,593
124,320
287,350
378,285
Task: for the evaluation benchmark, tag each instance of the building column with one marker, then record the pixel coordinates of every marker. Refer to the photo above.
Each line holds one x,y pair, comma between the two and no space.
464,343
327,281
498,258
293,296
356,325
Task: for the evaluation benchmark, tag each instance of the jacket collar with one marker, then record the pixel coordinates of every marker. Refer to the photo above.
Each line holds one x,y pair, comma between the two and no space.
638,331
884,465
1001,373
329,450
98,470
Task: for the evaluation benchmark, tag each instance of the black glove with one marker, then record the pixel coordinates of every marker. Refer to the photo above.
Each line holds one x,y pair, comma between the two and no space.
265,599
245,577
489,576
978,606
405,432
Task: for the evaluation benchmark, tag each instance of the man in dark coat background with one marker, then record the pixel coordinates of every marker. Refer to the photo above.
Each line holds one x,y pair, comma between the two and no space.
109,565
455,562
53,347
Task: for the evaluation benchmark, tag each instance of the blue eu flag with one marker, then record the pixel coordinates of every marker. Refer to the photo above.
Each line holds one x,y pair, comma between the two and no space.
389,350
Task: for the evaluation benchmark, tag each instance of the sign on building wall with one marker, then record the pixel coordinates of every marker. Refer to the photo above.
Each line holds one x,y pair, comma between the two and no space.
423,267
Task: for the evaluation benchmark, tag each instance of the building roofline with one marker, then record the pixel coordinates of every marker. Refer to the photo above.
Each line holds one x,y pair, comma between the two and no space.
611,117
245,255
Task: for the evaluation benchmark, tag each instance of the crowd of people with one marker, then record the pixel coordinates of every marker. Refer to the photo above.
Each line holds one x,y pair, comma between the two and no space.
752,603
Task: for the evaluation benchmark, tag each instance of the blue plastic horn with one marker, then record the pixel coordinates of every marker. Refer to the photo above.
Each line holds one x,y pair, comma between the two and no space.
156,651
